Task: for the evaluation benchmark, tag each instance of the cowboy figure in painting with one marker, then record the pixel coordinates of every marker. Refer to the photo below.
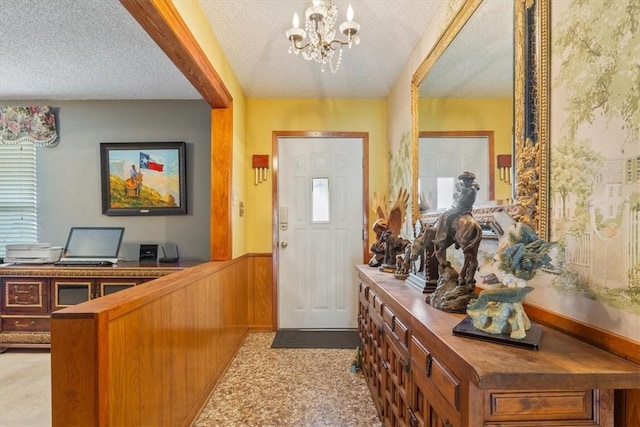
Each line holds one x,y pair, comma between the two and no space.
133,185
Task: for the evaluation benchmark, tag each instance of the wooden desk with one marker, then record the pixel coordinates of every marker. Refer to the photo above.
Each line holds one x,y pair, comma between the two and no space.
30,293
419,373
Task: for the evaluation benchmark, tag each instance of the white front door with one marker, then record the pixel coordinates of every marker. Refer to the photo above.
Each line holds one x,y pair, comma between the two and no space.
320,231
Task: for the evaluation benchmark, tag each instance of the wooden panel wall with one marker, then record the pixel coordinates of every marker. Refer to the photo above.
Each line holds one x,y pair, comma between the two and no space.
149,355
260,288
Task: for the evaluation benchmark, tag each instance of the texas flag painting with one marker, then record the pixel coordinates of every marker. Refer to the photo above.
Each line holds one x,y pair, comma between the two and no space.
151,162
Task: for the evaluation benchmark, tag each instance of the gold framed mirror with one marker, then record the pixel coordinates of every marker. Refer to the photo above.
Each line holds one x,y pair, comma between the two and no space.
508,106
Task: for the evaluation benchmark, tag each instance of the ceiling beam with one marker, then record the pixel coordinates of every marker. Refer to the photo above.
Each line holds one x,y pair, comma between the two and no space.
163,23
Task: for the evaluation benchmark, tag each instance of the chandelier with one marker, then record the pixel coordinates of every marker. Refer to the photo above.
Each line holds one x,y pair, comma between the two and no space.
322,45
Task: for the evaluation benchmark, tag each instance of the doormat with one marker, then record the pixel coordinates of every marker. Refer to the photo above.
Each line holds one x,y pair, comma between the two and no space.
300,338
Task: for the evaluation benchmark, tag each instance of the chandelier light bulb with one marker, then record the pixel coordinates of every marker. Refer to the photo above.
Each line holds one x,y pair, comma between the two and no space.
295,34
349,13
316,2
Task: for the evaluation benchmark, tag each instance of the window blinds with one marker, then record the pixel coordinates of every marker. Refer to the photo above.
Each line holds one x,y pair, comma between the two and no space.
18,201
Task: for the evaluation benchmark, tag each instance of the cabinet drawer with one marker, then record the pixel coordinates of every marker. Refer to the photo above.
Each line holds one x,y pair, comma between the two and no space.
525,405
25,296
362,289
362,296
398,329
375,303
25,324
370,295
436,373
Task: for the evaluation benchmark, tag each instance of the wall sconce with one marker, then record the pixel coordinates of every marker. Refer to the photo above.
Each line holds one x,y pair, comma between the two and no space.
504,166
260,167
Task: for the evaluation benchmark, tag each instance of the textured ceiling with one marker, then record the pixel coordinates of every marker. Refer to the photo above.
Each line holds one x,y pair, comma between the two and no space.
93,49
252,33
82,49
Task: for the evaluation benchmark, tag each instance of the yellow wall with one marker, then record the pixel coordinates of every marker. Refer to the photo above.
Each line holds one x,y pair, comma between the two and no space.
340,115
486,114
197,22
256,119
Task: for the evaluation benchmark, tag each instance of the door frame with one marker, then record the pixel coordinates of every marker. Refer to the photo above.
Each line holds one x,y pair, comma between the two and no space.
364,138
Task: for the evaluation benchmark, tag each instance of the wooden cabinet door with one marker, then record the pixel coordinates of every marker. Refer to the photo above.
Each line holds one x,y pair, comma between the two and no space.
111,286
396,354
435,389
69,292
397,381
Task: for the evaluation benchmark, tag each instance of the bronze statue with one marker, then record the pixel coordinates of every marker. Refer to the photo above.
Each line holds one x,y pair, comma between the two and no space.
463,200
466,234
455,226
420,250
458,226
387,227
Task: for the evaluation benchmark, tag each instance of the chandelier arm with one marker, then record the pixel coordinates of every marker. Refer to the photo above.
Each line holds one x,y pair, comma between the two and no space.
301,47
330,44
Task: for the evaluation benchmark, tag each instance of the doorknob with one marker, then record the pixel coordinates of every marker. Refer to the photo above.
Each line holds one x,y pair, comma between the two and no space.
284,244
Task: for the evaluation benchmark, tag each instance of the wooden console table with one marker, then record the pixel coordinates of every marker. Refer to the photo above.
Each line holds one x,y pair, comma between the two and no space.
30,293
420,374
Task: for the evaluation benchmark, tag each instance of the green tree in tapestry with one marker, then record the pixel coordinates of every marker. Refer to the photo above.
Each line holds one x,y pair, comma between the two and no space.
572,165
599,48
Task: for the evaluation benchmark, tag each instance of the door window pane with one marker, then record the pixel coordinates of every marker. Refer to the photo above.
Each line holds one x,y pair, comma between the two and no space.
446,188
319,199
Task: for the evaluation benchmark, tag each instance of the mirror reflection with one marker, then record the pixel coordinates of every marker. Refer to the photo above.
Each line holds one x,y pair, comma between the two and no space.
465,112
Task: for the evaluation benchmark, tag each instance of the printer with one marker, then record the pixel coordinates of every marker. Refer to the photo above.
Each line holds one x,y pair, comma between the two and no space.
32,253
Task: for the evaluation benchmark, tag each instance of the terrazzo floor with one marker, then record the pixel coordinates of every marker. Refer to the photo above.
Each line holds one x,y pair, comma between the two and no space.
289,387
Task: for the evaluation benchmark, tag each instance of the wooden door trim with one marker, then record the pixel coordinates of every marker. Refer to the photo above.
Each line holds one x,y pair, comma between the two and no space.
364,137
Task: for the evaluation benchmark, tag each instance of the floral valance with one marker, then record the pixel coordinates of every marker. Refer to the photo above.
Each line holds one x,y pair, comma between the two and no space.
28,124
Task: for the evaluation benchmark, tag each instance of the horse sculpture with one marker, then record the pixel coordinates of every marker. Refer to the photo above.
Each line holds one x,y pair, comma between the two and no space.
420,249
465,232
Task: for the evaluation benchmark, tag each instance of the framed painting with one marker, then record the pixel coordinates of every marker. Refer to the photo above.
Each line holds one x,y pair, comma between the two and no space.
143,178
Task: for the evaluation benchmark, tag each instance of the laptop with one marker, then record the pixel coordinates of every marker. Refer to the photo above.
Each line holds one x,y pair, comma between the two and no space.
92,246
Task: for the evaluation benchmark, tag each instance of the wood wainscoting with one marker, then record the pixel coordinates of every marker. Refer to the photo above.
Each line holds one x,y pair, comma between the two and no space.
152,354
260,288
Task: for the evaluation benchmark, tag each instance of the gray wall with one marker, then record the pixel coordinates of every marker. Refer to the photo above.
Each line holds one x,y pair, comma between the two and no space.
69,192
